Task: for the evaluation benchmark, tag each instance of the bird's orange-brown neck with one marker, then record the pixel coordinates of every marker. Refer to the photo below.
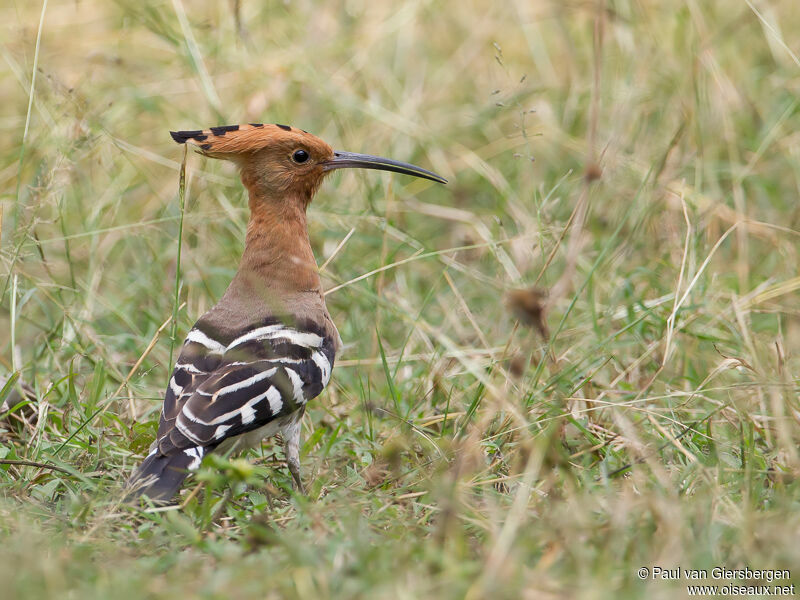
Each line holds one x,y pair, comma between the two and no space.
277,261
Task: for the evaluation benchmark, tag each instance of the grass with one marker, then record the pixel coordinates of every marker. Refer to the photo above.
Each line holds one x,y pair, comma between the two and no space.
636,162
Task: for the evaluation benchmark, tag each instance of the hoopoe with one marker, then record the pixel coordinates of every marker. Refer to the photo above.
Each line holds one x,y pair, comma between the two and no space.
250,364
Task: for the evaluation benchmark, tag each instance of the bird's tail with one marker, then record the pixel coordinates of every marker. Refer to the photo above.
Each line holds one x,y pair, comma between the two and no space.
160,476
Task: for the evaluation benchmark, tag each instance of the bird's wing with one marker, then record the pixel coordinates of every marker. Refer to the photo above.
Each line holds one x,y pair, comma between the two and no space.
220,390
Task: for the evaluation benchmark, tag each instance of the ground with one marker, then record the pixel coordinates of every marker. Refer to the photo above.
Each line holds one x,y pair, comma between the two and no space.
577,360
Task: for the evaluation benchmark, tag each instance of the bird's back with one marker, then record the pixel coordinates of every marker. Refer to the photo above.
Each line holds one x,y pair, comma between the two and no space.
237,381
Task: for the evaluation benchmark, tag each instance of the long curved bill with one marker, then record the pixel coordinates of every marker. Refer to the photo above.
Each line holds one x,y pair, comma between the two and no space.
351,160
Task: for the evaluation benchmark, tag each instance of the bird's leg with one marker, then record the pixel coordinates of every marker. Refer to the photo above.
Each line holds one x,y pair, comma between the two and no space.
291,447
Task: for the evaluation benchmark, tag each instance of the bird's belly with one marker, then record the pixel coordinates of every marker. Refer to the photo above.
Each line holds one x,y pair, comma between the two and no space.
252,439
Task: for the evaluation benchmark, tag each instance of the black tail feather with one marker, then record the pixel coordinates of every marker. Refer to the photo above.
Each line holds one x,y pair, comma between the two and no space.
160,476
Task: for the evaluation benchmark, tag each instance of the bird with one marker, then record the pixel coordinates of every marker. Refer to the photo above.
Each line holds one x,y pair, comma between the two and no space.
250,364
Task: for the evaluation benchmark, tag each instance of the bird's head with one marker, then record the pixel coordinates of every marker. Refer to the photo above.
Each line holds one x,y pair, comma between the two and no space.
278,161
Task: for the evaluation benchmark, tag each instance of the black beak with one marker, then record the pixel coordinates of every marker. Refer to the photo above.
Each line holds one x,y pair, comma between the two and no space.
351,160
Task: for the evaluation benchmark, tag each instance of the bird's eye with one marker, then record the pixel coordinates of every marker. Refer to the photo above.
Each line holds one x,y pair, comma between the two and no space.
300,156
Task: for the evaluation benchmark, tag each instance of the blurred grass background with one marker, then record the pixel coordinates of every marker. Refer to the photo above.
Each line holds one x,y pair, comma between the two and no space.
632,166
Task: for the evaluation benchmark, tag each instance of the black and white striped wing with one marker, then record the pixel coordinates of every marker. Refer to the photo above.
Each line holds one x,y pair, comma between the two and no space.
224,388
199,358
